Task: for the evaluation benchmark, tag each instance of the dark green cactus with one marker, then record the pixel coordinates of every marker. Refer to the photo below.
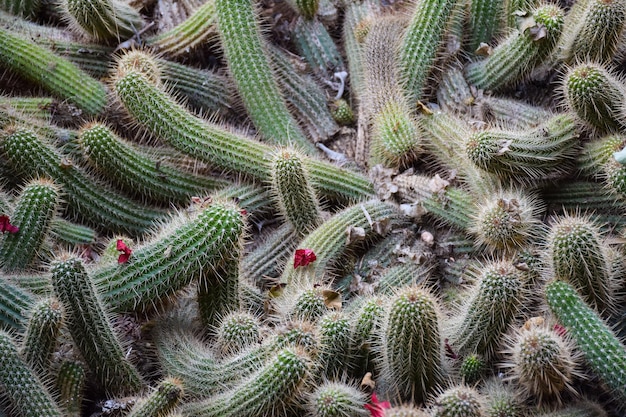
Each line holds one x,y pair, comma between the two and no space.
42,332
161,401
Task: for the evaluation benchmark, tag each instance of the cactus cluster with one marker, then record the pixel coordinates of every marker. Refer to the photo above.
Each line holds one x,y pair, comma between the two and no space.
320,208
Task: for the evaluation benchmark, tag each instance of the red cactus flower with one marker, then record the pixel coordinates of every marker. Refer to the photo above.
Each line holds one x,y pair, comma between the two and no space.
303,257
376,408
126,251
560,330
6,226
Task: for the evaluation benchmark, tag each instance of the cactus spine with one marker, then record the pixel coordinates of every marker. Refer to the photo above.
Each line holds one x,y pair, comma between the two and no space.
24,390
335,399
484,16
412,345
70,383
55,74
334,344
38,204
247,59
237,331
459,401
172,260
41,335
91,328
158,404
107,20
602,350
306,8
314,44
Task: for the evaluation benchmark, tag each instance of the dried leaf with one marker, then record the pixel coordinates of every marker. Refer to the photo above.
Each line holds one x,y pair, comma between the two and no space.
354,234
332,299
484,49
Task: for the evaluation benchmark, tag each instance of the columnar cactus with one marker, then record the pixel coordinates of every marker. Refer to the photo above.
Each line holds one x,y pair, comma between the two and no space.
108,20
459,401
161,401
335,399
236,332
42,331
91,327
70,383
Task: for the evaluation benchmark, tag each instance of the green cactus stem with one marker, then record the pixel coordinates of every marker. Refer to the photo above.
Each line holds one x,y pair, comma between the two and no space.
334,345
595,95
420,44
37,205
219,147
182,39
55,74
484,19
138,173
306,8
494,303
237,331
366,326
526,156
27,394
41,336
31,155
181,253
15,304
91,328
519,53
579,256
161,401
27,9
70,383
103,20
218,289
512,9
314,44
602,350
273,387
582,408
594,34
247,59
67,232
459,401
336,399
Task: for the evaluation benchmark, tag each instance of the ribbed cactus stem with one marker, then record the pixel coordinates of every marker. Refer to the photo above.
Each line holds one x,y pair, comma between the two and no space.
218,289
334,344
161,401
316,46
295,195
595,95
306,8
519,53
420,43
496,301
579,256
602,350
237,331
459,401
272,387
162,116
170,261
41,335
70,383
75,234
30,155
542,153
22,8
27,395
336,399
55,74
106,20
91,328
15,304
412,345
37,205
484,19
594,34
136,172
247,59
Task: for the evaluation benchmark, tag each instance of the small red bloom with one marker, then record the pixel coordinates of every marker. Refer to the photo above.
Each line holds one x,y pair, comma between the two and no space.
6,226
126,251
377,409
243,212
560,330
303,257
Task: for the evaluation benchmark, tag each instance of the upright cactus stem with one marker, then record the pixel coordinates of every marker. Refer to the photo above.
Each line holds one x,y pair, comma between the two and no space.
306,8
484,16
91,328
247,59
27,395
459,401
519,53
37,206
335,399
160,402
602,350
108,20
55,74
41,335
422,39
70,383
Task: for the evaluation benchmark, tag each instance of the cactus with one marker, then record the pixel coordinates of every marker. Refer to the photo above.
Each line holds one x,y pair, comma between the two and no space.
511,9
55,74
308,305
472,368
15,304
236,332
366,326
91,328
218,289
306,8
70,383
411,344
542,363
502,400
459,401
579,409
595,95
75,234
37,205
168,120
31,155
484,18
420,43
516,55
578,255
530,156
249,66
161,401
335,399
593,35
272,388
169,262
602,350
26,393
333,345
314,44
41,336
137,173
28,9
494,303
342,112
106,20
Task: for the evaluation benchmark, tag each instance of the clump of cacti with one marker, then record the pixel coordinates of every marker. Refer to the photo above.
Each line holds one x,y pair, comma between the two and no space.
312,207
